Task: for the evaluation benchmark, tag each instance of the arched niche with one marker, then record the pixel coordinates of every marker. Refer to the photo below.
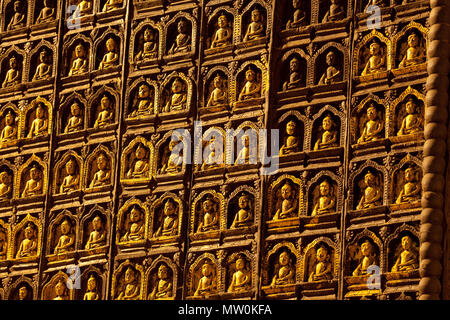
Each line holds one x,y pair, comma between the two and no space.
40,64
11,67
246,266
45,11
246,15
211,153
143,97
400,45
362,52
132,222
196,274
172,153
56,288
360,116
296,209
271,264
394,246
212,204
36,118
95,228
17,10
103,106
146,42
323,194
119,281
216,89
176,93
292,126
55,232
98,168
31,227
330,64
226,15
354,256
108,50
22,289
294,70
31,179
295,14
5,240
136,161
244,139
324,14
309,259
250,72
72,114
93,284
77,53
65,179
167,213
327,129
368,176
243,212
10,118
161,280
185,23
407,113
406,178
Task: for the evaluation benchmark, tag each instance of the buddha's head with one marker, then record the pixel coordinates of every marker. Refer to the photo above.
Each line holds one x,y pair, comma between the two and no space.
324,188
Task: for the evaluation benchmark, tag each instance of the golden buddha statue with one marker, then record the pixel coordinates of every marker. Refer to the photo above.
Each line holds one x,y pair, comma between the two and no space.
141,166
136,226
61,291
376,3
130,290
46,14
373,126
182,42
244,215
39,126
299,16
169,225
33,186
163,285
241,278
372,195
28,246
287,204
322,266
111,58
412,122
80,64
255,29
415,54
143,105
243,156
377,60
251,88
408,259
291,143
83,8
44,69
91,291
13,75
335,12
97,237
295,79
215,155
326,203
150,46
174,162
9,131
368,259
210,218
207,283
18,20
105,116
218,95
332,74
411,190
223,35
329,135
178,98
71,181
23,293
67,239
285,272
75,122
103,176
5,185
3,244
111,5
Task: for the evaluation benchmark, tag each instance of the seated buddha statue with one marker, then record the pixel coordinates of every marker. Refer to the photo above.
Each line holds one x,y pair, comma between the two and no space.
243,156
13,75
408,259
412,122
174,161
111,5
322,266
61,290
71,181
373,127
136,227
140,168
299,16
178,98
244,215
105,116
33,186
97,237
251,88
368,259
223,35
39,126
292,143
103,175
144,103
150,46
326,203
207,283
131,288
295,79
83,8
75,122
44,69
5,185
329,135
182,42
218,95
288,203
255,29
19,19
91,291
210,218
214,159
66,240
372,195
332,74
377,60
9,131
415,54
111,58
3,244
411,189
335,12
46,14
163,285
80,64
28,246
240,281
286,272
169,225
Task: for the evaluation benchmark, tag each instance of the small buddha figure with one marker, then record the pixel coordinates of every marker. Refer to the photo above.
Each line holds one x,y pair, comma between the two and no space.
33,186
377,60
131,290
91,291
215,156
163,286
18,20
83,8
377,3
39,126
244,215
182,42
178,98
326,202
322,266
150,47
291,143
415,54
75,122
5,185
223,35
207,283
210,219
13,75
136,226
28,246
412,122
373,127
299,16
111,58
61,291
294,75
169,225
144,102
329,135
241,278
411,189
105,116
67,238
47,13
111,5
80,64
141,167
71,181
408,259
251,88
286,272
372,194
44,69
244,153
9,131
175,160
332,74
97,237
368,259
255,29
3,244
23,293
334,13
103,176
288,203
218,95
